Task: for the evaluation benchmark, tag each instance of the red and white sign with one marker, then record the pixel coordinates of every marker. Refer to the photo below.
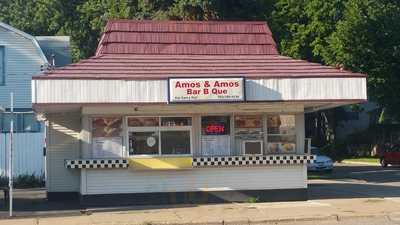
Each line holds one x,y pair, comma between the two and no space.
206,89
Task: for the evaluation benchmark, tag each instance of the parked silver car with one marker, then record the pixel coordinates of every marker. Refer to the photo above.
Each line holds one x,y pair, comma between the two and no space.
321,163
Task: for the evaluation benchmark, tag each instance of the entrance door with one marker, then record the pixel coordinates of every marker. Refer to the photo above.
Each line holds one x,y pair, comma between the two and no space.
215,135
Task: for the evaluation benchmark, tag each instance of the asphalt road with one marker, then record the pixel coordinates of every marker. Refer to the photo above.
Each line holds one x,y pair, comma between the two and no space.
345,182
357,181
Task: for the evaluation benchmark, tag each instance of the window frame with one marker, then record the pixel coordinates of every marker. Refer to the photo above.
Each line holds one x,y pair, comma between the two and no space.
159,129
20,123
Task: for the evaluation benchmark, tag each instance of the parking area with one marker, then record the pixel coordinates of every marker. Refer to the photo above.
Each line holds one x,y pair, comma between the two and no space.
356,181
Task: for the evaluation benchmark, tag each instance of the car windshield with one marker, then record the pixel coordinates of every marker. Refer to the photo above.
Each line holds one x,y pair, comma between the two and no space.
315,151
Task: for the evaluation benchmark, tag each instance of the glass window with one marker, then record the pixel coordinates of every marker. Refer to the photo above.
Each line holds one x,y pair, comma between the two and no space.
107,137
6,119
281,131
107,127
215,125
248,121
143,143
143,121
176,121
159,135
30,124
175,142
281,124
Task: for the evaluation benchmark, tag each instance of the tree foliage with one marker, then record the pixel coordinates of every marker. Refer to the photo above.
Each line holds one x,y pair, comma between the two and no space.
361,35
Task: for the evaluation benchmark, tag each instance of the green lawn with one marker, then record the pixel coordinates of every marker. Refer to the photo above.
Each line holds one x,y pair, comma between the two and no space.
319,175
371,160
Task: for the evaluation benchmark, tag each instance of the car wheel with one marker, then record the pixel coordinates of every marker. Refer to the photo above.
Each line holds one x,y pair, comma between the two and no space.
383,162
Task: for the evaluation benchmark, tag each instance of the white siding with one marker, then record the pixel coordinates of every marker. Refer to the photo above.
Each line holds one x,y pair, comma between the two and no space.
211,179
307,89
27,154
63,134
22,60
155,91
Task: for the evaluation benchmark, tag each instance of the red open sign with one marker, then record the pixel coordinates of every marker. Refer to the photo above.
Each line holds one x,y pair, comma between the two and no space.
215,129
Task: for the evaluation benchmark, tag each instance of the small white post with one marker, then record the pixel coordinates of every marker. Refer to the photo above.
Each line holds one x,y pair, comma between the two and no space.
10,157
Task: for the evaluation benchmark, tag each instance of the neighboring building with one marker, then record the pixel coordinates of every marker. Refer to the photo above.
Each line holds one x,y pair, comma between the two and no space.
169,112
357,121
20,58
56,49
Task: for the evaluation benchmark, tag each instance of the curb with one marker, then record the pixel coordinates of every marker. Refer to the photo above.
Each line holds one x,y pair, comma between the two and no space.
274,221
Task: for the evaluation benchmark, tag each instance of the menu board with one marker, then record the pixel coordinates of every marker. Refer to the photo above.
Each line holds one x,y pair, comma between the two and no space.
107,147
215,145
107,137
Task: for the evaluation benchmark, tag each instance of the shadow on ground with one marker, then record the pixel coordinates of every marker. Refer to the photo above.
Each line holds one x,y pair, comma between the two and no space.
346,181
353,181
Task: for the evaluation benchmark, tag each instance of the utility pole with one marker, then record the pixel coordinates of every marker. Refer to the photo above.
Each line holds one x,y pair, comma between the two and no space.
10,157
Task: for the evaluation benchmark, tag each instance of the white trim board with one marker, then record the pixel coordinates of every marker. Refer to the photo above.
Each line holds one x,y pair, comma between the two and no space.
156,91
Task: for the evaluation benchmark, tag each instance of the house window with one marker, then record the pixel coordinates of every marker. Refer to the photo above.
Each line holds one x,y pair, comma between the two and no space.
159,135
2,65
23,122
281,134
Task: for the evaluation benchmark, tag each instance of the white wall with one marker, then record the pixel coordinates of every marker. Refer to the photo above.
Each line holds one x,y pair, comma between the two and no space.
22,60
155,91
27,154
63,139
200,179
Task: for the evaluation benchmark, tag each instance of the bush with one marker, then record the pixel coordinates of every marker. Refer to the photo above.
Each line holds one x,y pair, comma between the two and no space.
25,181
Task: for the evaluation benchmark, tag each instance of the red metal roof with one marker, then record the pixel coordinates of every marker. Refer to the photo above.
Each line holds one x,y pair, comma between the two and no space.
186,37
158,50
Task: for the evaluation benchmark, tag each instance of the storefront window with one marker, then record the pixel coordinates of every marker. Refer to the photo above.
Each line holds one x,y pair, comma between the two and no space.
149,137
215,125
248,134
175,142
248,121
281,134
176,121
143,143
107,137
143,121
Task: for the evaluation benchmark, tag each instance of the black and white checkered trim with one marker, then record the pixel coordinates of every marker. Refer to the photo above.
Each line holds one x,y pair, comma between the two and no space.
96,163
215,161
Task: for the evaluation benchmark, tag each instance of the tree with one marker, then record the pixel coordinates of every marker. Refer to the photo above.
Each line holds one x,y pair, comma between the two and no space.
302,26
368,41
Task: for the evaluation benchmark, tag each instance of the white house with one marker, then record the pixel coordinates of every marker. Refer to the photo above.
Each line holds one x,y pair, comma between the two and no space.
21,57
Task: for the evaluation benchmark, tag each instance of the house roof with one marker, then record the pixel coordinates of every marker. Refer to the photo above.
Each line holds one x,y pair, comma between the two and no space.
160,49
27,36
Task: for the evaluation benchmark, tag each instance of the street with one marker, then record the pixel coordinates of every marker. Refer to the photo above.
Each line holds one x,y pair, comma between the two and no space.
351,194
357,181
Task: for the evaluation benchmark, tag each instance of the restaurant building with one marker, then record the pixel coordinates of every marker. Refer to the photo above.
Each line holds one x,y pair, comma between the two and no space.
170,112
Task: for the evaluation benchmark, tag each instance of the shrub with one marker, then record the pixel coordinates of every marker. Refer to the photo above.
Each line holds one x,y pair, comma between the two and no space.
25,181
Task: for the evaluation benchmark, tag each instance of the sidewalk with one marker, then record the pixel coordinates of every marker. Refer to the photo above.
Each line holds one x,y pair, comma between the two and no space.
245,213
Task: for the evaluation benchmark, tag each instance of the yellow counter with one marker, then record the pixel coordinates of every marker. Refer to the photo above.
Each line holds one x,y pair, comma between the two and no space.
161,163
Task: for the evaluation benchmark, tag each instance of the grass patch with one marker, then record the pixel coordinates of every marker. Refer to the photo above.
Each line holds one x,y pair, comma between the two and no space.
319,175
24,181
362,160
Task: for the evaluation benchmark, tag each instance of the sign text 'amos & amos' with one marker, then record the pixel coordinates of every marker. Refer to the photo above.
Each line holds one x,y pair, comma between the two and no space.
206,89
